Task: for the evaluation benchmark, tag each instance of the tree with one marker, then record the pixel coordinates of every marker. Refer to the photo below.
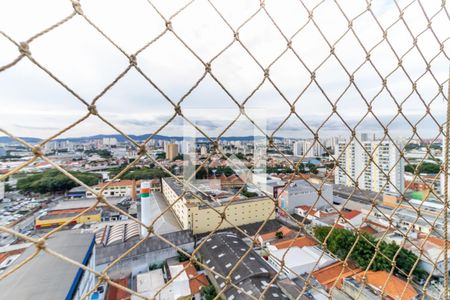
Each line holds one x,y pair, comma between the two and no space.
51,181
224,170
425,168
208,292
321,232
248,194
8,188
144,173
279,234
202,172
181,256
240,156
341,241
161,155
178,157
103,153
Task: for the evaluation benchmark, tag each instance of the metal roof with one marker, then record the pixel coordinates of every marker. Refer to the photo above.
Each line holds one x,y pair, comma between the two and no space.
222,251
46,276
106,254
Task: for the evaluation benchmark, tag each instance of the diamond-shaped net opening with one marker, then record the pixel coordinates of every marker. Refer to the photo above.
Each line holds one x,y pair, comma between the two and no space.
337,190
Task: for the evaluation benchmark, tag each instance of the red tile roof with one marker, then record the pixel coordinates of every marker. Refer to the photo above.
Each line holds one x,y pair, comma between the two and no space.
125,182
334,273
272,235
394,287
301,241
115,293
196,280
5,255
350,214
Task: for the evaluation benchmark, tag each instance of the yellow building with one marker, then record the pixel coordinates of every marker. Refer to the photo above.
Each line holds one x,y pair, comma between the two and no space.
200,217
172,151
58,217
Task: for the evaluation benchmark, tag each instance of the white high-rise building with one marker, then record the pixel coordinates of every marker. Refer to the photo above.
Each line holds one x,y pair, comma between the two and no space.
385,173
2,190
111,141
307,148
297,148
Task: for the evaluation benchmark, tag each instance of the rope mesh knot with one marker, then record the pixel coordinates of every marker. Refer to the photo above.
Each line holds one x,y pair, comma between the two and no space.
93,110
24,49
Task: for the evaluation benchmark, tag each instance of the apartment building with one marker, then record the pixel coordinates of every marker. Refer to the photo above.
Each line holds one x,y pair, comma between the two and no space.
123,188
171,151
204,215
383,173
307,148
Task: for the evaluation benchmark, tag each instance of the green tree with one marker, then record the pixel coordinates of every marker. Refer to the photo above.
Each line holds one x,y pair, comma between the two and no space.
52,181
8,188
144,173
279,234
321,232
248,194
340,242
181,256
208,292
103,153
424,168
224,170
178,157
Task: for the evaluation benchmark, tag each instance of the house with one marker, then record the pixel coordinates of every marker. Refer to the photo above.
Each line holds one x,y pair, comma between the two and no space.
313,213
188,282
378,283
265,238
429,249
347,218
301,241
123,188
312,258
333,274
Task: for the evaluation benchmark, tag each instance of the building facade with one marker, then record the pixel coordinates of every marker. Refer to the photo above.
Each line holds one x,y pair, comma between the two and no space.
374,165
199,217
171,151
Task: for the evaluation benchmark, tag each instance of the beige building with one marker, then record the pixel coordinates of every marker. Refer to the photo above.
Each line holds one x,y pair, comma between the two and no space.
172,151
200,217
123,188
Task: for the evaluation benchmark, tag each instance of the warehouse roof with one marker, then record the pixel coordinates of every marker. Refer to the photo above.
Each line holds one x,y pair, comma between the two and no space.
106,254
222,251
84,203
46,276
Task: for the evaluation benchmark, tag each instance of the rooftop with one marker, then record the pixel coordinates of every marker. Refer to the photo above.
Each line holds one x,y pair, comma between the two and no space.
334,273
272,235
108,253
69,213
34,280
310,255
196,280
84,203
395,288
222,251
300,242
115,293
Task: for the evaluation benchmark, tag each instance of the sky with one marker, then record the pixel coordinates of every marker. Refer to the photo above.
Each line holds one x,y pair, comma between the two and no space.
33,104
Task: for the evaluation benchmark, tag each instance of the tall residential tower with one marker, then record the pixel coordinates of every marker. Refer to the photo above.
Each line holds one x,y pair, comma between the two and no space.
385,172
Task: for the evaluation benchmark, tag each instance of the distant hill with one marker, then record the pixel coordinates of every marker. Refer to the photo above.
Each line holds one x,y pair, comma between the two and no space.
120,138
8,140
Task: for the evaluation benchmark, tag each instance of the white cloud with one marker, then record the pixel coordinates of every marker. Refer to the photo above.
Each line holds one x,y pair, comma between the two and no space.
33,104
